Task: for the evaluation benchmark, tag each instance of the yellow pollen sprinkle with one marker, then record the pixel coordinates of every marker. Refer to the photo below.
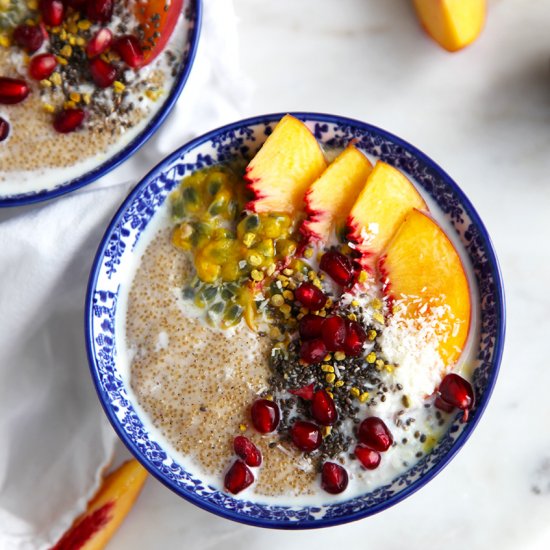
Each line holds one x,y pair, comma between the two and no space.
363,276
80,41
153,95
339,356
329,392
304,310
371,357
354,392
248,239
5,42
61,60
376,304
118,86
327,368
327,358
288,272
378,317
389,368
285,309
354,303
75,96
32,4
321,313
256,275
84,24
242,427
325,431
372,334
379,363
255,260
288,294
66,51
270,270
277,300
317,283
269,397
45,83
308,253
364,396
62,34
311,275
49,108
352,317
339,384
87,98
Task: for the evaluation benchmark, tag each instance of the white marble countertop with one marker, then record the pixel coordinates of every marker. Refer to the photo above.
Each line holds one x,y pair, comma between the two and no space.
484,115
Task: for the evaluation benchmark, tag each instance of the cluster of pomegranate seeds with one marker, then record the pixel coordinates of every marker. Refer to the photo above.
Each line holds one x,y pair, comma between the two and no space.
4,129
455,391
99,43
265,415
129,49
42,66
334,478
245,449
68,120
52,11
29,37
13,90
306,436
323,408
310,296
238,477
339,267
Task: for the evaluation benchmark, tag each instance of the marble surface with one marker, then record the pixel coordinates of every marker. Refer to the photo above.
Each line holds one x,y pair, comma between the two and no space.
484,115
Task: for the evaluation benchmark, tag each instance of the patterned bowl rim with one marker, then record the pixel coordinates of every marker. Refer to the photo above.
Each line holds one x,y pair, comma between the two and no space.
125,153
480,405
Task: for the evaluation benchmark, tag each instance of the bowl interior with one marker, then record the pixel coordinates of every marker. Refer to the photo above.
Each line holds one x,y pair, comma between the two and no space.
118,248
191,30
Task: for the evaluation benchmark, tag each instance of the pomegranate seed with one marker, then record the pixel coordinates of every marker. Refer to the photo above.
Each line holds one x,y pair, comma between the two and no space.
100,42
29,37
375,434
338,266
12,90
310,296
305,393
265,415
355,338
323,409
369,458
306,436
68,120
52,12
313,351
442,405
238,477
310,326
129,48
458,392
103,73
42,66
4,129
334,478
100,11
245,449
334,333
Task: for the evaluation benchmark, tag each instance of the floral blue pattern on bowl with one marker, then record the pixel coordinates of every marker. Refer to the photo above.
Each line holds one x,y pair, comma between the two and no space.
193,18
117,247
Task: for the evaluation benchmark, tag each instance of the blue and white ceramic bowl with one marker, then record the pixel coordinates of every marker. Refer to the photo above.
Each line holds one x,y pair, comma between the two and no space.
193,17
117,251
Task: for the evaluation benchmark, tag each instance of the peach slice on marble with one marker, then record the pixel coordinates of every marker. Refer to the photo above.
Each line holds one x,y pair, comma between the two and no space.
285,166
329,198
423,278
107,509
453,24
379,210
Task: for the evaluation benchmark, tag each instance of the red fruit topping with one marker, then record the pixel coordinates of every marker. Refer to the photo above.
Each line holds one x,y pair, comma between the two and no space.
375,434
442,405
334,333
100,42
129,49
68,120
100,11
334,478
12,90
265,415
310,296
313,351
458,392
245,449
42,66
355,338
369,458
238,477
305,393
323,409
310,326
339,267
103,73
4,132
306,436
52,12
29,37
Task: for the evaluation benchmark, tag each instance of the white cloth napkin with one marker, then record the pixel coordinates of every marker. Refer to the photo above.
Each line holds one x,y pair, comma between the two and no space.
55,439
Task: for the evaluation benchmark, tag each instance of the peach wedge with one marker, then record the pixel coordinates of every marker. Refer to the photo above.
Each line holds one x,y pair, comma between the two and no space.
453,24
285,166
330,197
423,278
107,509
379,210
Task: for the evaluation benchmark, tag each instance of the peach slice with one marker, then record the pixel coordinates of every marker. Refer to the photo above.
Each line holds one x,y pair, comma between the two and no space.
330,198
107,509
288,162
423,278
379,210
453,24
